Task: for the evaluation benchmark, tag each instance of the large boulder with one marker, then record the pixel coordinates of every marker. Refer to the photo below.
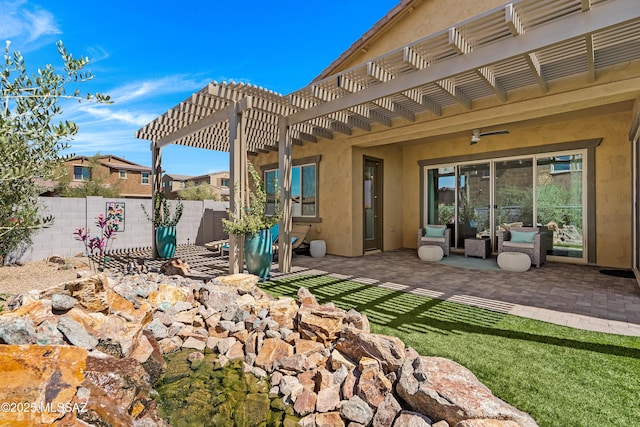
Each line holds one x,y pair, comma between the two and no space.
445,390
388,350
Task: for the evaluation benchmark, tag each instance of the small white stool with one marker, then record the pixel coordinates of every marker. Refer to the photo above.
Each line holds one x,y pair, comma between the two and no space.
514,261
430,253
318,248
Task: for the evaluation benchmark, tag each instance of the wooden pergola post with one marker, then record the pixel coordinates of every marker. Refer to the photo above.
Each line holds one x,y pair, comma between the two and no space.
285,166
156,187
238,188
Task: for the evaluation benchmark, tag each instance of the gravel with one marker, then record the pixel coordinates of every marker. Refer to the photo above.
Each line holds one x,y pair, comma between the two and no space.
20,279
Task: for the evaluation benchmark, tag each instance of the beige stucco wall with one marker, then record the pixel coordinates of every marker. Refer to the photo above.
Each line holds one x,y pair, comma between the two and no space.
335,192
613,174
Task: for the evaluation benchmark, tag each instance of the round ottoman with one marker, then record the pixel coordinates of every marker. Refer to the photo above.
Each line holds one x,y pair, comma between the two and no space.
514,261
430,253
318,248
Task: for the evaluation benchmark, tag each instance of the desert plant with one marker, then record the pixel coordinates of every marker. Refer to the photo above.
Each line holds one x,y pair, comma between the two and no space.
97,246
30,140
162,213
253,215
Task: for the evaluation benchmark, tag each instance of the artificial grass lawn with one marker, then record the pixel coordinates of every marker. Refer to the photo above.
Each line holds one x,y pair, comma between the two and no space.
561,376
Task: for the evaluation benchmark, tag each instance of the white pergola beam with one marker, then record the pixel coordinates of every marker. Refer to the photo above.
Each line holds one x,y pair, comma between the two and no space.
207,121
568,28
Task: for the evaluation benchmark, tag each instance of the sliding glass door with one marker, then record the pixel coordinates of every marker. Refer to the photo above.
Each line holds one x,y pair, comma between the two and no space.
474,192
479,199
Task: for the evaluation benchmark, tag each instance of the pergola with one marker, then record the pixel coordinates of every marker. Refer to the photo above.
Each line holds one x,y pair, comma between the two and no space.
521,44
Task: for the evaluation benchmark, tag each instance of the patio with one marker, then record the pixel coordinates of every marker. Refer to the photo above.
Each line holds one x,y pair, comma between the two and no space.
567,294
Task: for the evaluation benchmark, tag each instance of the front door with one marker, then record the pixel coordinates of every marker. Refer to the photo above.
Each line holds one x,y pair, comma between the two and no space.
372,199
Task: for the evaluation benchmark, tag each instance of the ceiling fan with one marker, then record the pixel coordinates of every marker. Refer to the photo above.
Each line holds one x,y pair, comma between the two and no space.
476,135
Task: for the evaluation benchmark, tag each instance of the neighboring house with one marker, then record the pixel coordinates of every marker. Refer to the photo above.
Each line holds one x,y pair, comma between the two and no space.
384,141
133,180
173,183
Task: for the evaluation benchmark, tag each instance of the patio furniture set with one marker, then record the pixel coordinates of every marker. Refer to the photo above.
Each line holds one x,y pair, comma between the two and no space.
518,248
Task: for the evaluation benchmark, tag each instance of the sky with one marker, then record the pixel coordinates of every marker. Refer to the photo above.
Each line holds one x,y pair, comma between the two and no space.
151,55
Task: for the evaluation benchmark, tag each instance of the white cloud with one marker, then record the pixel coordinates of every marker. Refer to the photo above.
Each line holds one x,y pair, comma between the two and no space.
145,89
109,114
25,24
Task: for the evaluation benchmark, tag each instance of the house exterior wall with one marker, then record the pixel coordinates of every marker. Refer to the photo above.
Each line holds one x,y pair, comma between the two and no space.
612,165
132,186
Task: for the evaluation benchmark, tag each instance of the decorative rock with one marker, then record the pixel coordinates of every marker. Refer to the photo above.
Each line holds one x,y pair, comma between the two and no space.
320,323
169,345
451,392
297,363
272,349
388,350
148,353
114,384
47,333
175,266
486,423
412,419
337,360
283,311
39,374
328,399
195,343
306,298
75,333
305,403
245,283
236,352
90,292
372,386
356,410
195,359
61,302
329,419
17,330
357,320
430,253
157,329
387,412
290,387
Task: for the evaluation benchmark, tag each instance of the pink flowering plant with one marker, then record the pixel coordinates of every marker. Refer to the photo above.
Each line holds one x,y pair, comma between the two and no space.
97,246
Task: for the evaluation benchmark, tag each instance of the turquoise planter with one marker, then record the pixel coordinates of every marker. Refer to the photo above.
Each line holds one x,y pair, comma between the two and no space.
166,242
258,253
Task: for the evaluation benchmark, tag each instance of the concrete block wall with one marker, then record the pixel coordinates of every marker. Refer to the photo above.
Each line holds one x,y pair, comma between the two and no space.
200,223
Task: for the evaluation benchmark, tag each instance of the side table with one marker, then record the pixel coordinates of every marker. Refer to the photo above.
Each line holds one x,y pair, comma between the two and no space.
477,247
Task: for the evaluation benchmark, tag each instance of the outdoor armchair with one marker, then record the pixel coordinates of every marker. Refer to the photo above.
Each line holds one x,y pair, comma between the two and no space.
526,240
436,235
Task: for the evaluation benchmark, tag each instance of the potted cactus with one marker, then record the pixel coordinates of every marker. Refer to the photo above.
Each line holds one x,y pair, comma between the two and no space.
164,224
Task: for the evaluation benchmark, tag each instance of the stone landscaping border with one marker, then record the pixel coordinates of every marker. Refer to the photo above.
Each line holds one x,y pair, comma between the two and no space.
95,346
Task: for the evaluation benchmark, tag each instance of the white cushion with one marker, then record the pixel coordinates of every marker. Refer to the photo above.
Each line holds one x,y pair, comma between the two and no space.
430,253
432,239
514,261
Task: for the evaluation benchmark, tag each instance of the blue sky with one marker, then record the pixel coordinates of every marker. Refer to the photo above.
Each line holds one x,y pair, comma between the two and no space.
150,56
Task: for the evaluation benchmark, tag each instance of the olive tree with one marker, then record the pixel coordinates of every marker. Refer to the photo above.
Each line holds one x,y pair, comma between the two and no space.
31,140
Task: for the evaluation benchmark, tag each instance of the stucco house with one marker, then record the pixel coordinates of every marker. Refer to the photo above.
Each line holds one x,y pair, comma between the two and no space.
173,183
477,114
133,180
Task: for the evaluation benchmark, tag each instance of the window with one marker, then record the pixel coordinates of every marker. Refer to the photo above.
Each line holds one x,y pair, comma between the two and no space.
224,182
81,173
304,193
145,177
123,174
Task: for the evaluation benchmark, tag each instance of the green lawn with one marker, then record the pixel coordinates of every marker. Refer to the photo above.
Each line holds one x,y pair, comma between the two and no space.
561,376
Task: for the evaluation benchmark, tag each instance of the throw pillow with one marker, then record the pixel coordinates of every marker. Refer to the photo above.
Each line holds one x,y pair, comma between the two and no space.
435,231
523,236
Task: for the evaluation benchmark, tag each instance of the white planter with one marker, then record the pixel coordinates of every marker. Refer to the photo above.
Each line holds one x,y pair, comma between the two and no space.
318,248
